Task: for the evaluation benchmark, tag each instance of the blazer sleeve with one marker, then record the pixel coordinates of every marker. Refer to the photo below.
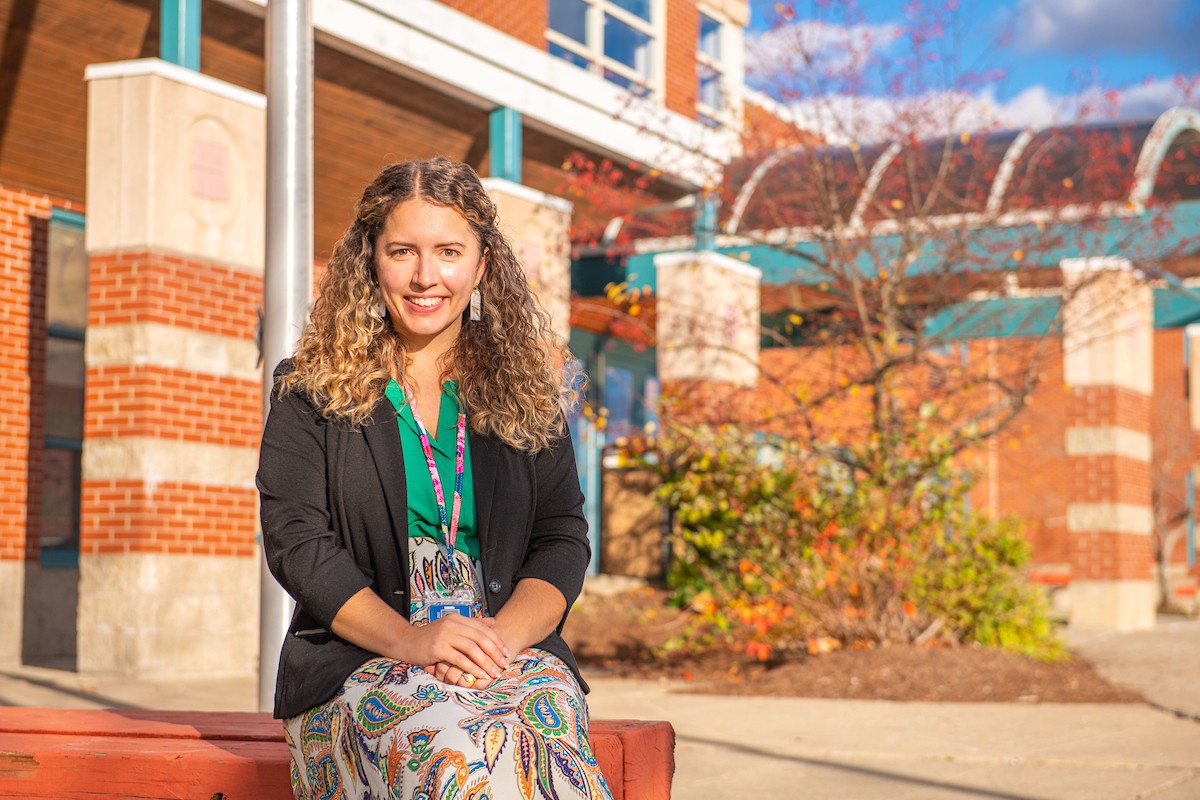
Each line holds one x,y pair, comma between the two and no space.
304,554
558,549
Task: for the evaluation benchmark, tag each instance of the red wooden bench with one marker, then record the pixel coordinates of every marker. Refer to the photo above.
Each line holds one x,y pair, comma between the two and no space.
77,754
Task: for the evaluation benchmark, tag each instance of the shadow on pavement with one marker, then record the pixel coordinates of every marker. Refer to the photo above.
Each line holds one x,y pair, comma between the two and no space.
91,697
867,771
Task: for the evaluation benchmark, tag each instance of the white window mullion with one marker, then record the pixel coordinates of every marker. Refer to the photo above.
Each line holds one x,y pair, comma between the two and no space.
596,36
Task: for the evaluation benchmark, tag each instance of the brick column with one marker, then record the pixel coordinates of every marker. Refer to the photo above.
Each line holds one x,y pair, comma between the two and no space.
538,226
168,566
1108,352
706,332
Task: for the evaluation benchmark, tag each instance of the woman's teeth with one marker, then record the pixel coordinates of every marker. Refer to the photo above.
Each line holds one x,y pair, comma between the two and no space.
427,302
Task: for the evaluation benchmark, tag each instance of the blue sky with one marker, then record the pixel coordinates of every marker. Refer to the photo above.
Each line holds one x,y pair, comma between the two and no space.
1056,48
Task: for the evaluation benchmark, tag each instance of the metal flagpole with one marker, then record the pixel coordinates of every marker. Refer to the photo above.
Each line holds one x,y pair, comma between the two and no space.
287,284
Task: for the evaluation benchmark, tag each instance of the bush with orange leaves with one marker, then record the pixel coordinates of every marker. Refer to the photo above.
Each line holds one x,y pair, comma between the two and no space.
778,551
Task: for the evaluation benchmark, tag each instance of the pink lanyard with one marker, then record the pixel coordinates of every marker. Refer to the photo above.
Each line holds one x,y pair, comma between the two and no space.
449,527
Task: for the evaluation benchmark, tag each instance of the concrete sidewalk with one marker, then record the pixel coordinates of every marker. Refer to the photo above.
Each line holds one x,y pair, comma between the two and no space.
784,748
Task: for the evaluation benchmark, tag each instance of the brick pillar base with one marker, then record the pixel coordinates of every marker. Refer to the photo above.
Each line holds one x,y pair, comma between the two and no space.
1108,365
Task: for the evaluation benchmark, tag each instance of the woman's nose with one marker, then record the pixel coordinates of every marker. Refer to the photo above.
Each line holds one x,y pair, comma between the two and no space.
426,271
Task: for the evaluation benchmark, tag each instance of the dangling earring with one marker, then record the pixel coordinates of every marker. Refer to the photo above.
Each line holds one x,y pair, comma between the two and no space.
377,308
476,305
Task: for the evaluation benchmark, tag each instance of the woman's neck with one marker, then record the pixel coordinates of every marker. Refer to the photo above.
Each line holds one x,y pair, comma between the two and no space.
423,376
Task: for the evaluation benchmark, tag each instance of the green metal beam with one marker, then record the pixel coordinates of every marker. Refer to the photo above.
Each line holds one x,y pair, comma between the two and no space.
504,142
179,33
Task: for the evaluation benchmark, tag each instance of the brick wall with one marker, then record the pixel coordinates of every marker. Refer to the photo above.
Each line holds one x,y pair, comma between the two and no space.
23,220
173,517
140,400
169,443
521,19
136,287
679,82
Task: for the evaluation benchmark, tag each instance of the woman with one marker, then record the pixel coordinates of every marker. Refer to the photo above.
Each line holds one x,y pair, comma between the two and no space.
420,502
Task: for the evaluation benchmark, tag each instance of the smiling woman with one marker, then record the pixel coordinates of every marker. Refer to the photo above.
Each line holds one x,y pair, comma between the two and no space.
424,658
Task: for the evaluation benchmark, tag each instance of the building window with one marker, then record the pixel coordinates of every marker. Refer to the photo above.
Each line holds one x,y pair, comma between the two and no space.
710,72
615,39
66,321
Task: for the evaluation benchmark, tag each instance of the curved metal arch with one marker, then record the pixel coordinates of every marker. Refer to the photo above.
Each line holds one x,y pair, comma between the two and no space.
1167,127
1008,165
749,187
874,177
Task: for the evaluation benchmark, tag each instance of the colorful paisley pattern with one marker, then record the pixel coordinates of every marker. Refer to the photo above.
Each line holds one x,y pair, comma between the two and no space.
394,732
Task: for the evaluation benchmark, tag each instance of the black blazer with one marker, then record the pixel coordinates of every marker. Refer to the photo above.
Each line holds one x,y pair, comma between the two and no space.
335,521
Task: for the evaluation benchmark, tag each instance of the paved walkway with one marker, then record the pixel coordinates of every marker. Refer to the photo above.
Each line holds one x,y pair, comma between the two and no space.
785,748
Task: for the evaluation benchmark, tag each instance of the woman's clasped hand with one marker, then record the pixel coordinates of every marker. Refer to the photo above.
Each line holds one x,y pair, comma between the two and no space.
455,647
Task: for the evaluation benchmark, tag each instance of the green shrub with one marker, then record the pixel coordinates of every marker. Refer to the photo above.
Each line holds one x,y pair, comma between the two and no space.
777,550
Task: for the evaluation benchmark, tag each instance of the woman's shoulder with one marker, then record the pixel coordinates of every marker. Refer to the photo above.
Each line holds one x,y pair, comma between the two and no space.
294,395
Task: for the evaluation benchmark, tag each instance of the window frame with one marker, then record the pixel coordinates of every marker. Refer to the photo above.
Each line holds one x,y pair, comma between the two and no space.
652,85
57,556
723,66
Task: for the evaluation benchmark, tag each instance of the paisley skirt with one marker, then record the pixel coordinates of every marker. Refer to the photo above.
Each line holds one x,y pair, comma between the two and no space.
395,731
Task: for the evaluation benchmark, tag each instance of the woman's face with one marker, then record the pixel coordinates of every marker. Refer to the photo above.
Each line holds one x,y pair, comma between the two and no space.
427,262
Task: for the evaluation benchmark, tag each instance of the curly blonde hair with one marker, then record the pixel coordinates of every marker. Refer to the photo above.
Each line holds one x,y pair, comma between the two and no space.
514,373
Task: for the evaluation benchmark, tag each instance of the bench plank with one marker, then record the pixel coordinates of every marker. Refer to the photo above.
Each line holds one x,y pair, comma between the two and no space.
81,754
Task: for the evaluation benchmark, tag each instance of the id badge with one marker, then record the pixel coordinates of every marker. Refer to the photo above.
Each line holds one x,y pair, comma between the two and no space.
459,601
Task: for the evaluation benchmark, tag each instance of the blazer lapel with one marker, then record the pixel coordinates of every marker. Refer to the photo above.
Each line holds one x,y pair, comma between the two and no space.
485,455
383,439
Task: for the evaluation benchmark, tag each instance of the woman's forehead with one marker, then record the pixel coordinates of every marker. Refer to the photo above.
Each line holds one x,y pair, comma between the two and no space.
419,219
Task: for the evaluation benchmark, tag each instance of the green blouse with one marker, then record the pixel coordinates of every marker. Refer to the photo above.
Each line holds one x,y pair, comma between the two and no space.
422,503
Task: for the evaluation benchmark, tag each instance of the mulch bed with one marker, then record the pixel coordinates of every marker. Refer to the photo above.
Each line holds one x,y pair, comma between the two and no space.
615,637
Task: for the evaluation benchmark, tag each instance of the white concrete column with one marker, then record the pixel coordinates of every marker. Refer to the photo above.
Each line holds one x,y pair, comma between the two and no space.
708,318
538,227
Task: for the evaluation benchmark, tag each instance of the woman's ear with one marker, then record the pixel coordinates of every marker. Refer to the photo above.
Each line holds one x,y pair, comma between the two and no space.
484,260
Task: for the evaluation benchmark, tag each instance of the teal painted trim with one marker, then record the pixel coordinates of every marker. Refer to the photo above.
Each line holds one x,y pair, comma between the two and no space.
1174,309
179,33
63,332
504,143
704,223
69,219
995,318
63,444
59,559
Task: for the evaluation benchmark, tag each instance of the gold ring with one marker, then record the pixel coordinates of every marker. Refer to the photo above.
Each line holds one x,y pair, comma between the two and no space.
470,678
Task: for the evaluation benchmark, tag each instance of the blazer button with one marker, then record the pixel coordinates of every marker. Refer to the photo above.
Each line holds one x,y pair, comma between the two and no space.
494,586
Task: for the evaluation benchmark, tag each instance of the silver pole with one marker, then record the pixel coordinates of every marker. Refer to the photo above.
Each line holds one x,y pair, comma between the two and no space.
287,285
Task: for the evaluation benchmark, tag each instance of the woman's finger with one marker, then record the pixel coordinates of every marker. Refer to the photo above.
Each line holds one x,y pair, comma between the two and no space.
489,665
465,655
480,629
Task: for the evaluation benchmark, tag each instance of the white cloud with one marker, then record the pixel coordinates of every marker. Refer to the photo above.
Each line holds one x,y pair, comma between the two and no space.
814,47
1075,26
841,119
